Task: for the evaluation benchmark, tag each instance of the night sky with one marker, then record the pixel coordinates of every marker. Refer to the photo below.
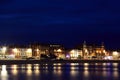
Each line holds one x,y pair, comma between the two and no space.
68,22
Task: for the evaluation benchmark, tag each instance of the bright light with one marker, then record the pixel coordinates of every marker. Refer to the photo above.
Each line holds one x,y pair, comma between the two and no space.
36,66
115,53
59,67
37,72
72,64
67,56
29,66
14,67
115,65
73,51
4,71
29,50
73,68
3,67
108,58
59,50
29,72
86,68
4,49
86,51
12,56
14,70
104,51
15,50
37,50
86,64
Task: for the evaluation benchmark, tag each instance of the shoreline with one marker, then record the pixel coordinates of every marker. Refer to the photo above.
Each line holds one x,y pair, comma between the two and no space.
6,62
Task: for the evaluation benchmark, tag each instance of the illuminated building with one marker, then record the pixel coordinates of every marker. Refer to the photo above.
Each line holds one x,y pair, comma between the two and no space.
57,50
75,54
92,51
38,49
3,51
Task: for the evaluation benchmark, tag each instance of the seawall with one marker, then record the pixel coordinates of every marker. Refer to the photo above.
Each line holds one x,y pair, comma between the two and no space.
55,61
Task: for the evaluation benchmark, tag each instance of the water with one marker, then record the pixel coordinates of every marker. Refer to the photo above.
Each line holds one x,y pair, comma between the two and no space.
73,71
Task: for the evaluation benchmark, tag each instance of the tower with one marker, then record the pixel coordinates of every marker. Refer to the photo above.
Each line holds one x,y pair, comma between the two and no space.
84,45
85,51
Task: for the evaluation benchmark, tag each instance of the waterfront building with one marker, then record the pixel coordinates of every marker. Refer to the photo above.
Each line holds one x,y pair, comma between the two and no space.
76,54
35,50
57,50
18,52
47,49
92,51
38,49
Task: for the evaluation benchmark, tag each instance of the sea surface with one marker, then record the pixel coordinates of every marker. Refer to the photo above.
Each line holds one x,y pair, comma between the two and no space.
69,71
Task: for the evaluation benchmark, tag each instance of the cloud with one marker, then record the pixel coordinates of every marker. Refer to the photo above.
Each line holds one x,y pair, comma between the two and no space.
42,13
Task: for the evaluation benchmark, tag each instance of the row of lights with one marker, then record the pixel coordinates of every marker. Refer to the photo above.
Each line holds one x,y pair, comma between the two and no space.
4,49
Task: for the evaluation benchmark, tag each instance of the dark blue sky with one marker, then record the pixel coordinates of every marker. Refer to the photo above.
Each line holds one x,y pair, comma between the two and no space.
69,22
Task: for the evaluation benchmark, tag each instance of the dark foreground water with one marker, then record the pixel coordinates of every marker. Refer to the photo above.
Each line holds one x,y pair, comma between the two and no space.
74,71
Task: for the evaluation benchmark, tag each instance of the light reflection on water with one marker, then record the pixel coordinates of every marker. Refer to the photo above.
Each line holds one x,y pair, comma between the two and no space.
14,69
29,69
115,64
86,73
58,72
75,71
86,64
115,73
86,67
4,73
